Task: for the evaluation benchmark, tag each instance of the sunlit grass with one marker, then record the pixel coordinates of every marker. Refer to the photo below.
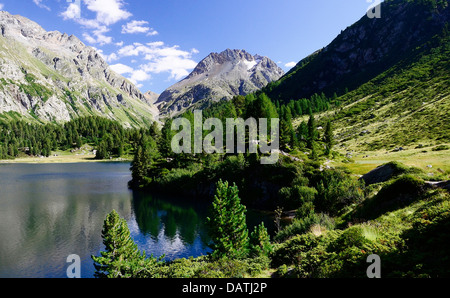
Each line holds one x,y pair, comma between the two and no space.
433,163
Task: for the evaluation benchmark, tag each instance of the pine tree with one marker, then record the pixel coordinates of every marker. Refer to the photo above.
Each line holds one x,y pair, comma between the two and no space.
228,227
312,131
122,258
260,241
328,138
165,142
102,151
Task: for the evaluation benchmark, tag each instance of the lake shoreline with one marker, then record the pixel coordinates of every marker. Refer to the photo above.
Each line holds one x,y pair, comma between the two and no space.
62,159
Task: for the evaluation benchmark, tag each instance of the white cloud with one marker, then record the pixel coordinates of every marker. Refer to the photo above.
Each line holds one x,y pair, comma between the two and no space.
73,11
1,6
291,64
89,38
98,36
134,27
135,77
108,58
108,12
41,5
139,76
121,68
162,58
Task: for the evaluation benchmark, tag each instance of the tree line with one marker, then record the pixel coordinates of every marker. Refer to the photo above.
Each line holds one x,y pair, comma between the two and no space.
154,158
108,137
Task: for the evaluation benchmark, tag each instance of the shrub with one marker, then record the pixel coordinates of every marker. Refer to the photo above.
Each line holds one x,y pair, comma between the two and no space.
303,225
395,194
441,148
336,189
353,236
260,241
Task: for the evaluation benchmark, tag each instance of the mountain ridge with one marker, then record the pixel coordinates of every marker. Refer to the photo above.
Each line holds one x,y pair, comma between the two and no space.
364,50
51,76
219,76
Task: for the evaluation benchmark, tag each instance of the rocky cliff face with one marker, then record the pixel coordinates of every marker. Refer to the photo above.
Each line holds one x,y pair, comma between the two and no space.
52,76
219,76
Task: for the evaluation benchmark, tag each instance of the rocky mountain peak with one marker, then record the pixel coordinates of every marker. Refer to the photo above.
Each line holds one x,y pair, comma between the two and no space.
219,76
53,76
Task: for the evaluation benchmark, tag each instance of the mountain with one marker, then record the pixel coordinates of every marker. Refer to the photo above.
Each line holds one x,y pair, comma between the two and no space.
387,79
51,76
219,76
364,50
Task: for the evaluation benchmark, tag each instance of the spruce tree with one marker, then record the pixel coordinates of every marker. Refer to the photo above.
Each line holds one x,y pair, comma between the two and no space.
312,131
122,257
146,153
228,227
328,138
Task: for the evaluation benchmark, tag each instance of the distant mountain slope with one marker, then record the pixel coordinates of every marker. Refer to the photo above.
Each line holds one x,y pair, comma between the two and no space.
219,76
364,50
50,76
396,71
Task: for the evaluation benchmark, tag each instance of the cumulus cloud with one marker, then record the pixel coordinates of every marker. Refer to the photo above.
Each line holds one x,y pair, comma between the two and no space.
108,58
291,64
73,11
153,57
134,75
1,6
121,68
162,58
108,12
134,27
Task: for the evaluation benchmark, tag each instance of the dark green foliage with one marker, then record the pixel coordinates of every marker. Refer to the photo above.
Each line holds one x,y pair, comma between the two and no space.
260,241
441,148
146,154
108,137
328,138
227,224
336,190
121,258
395,194
352,237
302,225
312,132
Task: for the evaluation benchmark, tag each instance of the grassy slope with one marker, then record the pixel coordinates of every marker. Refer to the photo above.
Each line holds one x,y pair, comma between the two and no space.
407,106
412,241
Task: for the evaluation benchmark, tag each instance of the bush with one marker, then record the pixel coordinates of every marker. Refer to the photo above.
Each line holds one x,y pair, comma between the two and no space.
394,195
441,148
336,189
303,225
353,236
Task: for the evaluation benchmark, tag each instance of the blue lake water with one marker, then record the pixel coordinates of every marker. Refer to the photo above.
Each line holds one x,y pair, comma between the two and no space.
51,211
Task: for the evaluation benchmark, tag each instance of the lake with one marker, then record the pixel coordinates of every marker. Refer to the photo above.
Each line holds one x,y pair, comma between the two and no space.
51,211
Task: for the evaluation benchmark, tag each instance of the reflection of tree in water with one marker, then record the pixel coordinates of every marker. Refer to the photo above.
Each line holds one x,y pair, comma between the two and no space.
176,217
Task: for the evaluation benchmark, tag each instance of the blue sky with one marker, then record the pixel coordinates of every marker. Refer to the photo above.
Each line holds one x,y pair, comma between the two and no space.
156,43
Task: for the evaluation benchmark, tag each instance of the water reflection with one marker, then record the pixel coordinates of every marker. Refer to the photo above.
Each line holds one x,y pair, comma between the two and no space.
178,227
50,211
